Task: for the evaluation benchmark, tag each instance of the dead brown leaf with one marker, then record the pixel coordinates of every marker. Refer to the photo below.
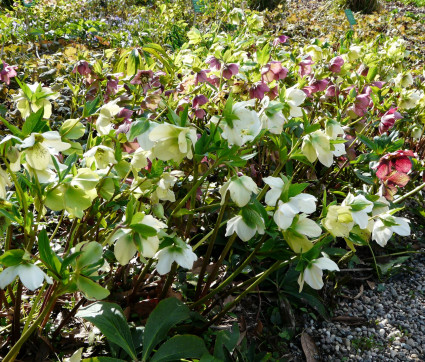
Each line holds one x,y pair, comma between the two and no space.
350,320
372,285
309,347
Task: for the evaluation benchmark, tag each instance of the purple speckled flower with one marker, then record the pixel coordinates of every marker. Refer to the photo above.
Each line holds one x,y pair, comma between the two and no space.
273,71
201,76
336,64
199,100
305,66
258,90
388,120
213,62
229,70
281,39
82,68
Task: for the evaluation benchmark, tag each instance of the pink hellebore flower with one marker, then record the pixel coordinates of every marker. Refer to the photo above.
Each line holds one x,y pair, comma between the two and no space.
213,62
230,70
360,105
331,91
201,76
273,71
214,80
258,89
198,101
378,84
281,39
7,72
82,68
388,120
305,66
316,86
336,64
273,93
392,170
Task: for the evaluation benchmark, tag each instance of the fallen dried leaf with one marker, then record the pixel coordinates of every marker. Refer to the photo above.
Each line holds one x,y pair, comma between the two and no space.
309,347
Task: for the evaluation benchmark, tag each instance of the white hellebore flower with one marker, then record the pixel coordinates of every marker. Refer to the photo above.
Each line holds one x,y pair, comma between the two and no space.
244,231
387,224
31,276
274,123
164,190
313,274
276,187
240,188
101,155
106,115
172,142
125,248
4,181
307,227
409,99
295,97
245,127
182,255
403,80
39,149
143,138
360,208
286,212
316,145
40,98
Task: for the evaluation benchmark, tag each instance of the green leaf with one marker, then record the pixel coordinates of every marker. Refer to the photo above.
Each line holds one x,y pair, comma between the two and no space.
15,130
72,129
138,127
295,189
91,253
367,142
143,229
49,258
167,314
91,289
91,107
34,123
226,339
371,74
184,346
12,257
109,318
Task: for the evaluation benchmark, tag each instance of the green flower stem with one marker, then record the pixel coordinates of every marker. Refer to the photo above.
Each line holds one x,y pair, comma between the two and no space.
57,226
210,248
192,201
278,264
217,265
206,237
193,189
18,345
277,171
22,198
405,196
17,312
233,275
169,281
374,261
34,307
143,273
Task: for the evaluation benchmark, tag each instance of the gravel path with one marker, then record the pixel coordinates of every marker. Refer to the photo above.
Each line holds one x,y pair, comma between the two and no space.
383,324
